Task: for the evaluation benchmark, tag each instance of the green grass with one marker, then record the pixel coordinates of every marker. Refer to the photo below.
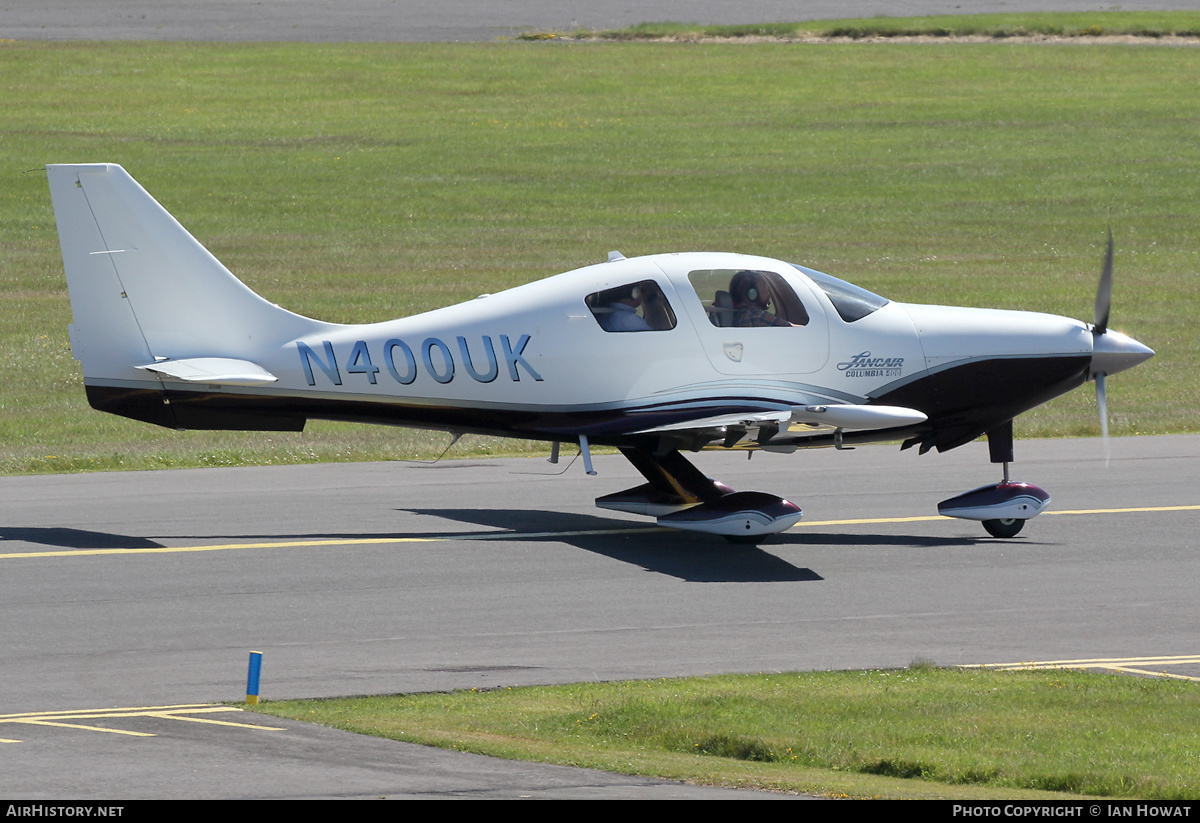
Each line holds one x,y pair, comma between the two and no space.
1150,24
916,732
362,182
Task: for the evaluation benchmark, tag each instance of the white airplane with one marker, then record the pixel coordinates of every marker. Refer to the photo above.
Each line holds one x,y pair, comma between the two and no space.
654,355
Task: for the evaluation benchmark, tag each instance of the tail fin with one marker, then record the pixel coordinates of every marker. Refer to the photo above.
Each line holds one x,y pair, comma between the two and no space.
144,292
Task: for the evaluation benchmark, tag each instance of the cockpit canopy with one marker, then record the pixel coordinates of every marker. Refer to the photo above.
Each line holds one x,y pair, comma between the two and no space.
730,298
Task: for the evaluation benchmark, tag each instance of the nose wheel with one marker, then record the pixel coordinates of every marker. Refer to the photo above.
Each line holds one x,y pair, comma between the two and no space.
1008,527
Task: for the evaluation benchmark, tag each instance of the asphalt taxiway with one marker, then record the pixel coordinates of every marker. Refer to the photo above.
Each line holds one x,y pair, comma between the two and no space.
149,589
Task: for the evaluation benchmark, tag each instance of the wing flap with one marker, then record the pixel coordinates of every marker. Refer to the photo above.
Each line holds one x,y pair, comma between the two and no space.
836,416
722,421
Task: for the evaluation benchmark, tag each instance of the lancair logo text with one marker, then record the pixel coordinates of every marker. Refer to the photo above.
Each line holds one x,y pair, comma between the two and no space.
864,365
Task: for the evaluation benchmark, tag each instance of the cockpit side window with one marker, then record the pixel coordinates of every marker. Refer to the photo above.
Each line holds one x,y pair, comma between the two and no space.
638,306
748,298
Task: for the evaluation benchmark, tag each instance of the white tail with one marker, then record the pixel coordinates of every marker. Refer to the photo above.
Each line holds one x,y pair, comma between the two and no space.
148,300
142,288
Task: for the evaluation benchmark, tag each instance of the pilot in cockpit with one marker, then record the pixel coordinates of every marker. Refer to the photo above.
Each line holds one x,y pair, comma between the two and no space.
751,296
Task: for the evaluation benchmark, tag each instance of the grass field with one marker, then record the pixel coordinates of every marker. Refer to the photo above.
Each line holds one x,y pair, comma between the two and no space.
920,732
362,182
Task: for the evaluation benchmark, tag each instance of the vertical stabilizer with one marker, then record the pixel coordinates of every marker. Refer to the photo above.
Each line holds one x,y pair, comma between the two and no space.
142,288
150,303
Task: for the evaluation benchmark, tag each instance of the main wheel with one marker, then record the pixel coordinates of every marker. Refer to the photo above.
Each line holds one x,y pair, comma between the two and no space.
1004,528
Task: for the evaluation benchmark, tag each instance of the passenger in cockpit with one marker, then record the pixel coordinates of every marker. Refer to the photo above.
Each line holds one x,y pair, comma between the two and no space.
622,314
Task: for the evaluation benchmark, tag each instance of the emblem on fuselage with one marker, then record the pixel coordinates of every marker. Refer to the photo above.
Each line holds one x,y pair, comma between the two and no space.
864,365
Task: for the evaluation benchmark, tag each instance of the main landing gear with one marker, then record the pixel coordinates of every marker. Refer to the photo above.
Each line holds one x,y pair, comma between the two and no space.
681,497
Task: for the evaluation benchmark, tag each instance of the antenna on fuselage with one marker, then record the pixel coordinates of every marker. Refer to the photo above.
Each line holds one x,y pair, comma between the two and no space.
587,455
456,436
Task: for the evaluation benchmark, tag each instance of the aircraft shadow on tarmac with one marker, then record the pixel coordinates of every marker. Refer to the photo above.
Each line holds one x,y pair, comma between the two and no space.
65,538
807,538
664,551
681,555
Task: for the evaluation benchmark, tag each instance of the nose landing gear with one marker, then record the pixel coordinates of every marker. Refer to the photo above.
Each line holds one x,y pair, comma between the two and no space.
1003,507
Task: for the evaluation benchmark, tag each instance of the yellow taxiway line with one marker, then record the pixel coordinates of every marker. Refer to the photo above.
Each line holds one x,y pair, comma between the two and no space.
507,535
71,719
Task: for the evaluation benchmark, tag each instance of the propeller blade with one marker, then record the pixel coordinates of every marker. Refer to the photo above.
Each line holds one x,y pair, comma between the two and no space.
1104,291
1102,403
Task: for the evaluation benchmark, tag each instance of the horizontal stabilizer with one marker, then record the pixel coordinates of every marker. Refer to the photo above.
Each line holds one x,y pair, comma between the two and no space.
220,370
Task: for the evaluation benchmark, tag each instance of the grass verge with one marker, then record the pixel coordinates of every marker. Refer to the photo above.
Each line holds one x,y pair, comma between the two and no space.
920,732
1148,24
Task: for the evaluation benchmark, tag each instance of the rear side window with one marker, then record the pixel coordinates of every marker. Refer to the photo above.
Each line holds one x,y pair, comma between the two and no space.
632,307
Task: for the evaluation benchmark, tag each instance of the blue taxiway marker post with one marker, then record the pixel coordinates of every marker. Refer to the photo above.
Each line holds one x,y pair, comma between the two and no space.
252,677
